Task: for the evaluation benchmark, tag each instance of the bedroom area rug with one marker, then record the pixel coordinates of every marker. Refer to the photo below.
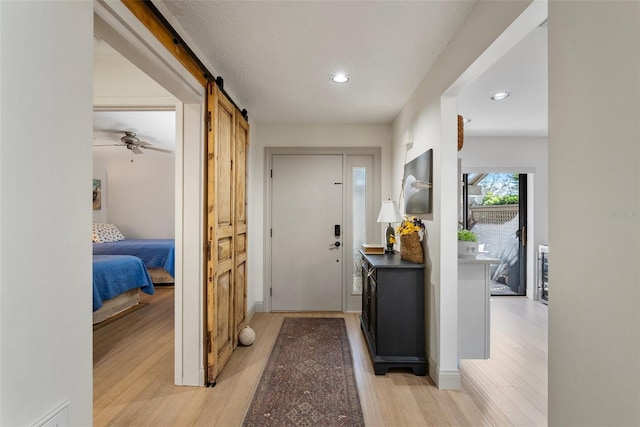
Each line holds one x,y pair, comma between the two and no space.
309,378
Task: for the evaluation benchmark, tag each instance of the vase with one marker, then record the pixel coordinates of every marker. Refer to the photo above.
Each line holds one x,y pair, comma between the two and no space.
467,249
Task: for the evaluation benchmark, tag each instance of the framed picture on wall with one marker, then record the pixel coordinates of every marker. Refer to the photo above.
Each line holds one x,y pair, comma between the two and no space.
97,194
417,184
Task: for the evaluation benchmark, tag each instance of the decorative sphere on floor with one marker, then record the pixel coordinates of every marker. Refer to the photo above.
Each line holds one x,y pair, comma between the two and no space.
247,336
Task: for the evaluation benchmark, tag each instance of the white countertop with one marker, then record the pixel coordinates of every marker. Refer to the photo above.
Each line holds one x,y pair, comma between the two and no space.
480,259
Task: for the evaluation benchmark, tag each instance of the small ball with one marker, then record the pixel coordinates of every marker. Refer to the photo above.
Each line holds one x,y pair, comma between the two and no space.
247,336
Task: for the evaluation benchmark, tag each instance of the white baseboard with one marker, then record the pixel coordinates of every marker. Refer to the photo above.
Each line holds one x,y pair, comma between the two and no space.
257,307
444,380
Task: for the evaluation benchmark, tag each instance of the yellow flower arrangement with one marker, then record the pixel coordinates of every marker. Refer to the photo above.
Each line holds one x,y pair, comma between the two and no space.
410,225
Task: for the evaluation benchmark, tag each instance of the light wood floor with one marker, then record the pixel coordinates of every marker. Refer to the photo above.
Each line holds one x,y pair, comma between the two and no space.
133,375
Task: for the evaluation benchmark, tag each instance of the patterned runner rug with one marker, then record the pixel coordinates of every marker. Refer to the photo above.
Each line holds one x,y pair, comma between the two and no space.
308,379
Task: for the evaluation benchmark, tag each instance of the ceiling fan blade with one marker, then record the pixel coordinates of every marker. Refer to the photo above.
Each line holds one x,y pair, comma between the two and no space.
103,140
108,145
149,147
136,150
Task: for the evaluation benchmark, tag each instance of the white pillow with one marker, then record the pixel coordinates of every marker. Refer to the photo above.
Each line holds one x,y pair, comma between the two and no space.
104,233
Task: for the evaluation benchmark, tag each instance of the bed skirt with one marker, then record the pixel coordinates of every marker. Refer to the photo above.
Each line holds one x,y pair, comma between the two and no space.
160,276
116,305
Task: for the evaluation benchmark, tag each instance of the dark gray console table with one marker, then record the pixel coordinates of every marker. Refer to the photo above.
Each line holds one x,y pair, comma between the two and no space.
393,312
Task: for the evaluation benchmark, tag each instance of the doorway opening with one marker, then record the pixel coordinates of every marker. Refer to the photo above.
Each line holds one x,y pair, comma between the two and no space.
497,213
116,26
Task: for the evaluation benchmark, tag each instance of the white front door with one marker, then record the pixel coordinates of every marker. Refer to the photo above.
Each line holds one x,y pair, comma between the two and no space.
306,250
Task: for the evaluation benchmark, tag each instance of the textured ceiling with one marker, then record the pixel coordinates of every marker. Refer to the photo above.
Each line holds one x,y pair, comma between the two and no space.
523,72
268,81
277,57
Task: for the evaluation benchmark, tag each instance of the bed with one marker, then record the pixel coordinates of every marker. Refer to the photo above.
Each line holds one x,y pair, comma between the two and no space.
158,255
117,282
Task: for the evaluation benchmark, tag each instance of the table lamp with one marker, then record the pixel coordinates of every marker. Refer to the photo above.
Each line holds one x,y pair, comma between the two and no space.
389,213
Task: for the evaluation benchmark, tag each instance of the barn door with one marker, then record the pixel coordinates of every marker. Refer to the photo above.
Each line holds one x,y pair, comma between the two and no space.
240,225
220,231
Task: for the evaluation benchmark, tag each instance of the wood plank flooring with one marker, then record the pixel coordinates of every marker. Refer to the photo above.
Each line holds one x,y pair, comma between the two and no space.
133,374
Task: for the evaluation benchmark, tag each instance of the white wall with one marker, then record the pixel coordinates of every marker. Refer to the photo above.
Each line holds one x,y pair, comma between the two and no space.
425,113
140,196
45,214
594,213
263,136
517,154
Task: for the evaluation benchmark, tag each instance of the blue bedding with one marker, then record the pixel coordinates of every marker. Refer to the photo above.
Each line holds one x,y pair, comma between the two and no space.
115,274
155,253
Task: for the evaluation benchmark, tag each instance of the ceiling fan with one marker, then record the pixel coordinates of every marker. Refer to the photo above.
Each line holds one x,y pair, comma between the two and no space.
133,143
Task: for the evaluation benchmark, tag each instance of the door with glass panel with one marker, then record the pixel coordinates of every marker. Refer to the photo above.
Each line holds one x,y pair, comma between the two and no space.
322,211
496,211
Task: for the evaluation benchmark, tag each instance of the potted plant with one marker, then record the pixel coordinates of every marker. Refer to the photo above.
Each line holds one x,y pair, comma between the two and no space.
467,244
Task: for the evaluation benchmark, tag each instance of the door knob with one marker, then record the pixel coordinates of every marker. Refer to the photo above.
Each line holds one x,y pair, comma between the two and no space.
336,245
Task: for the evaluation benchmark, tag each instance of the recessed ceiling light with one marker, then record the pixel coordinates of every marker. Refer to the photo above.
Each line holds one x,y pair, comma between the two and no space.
466,120
340,78
500,96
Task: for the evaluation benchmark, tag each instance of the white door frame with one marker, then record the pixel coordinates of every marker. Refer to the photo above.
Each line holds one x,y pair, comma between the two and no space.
114,23
269,153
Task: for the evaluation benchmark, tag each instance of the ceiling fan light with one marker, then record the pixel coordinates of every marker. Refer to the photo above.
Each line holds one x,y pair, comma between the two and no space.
500,96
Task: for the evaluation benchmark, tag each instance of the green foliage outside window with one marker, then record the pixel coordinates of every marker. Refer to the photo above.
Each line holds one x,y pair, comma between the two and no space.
491,199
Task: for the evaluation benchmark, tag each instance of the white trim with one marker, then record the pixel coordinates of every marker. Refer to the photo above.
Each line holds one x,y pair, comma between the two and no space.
448,289
257,307
510,169
448,380
114,23
444,380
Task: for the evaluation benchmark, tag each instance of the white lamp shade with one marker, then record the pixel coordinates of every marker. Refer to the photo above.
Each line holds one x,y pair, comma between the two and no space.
389,212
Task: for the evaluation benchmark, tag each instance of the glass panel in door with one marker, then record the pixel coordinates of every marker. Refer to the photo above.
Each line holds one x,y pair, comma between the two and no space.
359,223
497,214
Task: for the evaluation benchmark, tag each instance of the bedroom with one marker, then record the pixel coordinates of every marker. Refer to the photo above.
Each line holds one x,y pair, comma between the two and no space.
133,189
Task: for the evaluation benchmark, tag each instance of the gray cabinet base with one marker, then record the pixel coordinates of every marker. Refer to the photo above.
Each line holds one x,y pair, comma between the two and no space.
381,364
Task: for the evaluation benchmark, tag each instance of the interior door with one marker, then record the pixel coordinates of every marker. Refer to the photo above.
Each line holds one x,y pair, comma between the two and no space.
220,233
306,233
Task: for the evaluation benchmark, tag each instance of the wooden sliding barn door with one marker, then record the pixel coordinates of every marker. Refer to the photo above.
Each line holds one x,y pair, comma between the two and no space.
240,225
226,309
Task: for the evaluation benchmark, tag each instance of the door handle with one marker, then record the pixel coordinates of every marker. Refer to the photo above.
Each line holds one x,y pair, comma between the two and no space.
336,245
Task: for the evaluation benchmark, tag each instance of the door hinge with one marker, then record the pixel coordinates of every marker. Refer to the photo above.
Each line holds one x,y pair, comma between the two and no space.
209,343
270,292
209,120
271,232
271,171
